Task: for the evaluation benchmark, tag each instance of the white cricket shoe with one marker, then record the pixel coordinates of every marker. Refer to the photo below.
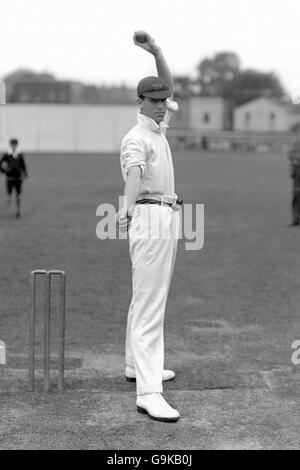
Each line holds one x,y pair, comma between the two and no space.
156,407
131,377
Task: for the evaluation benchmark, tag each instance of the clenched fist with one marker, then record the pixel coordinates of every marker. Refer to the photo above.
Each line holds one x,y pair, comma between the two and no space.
145,41
123,220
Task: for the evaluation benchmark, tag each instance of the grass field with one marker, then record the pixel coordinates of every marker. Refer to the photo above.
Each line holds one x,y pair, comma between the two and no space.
232,315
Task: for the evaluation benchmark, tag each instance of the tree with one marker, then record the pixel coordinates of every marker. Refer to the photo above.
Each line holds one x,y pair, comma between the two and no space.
27,74
185,86
214,73
250,84
20,75
222,76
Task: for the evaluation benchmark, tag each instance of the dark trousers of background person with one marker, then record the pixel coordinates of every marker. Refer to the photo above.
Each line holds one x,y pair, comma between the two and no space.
14,184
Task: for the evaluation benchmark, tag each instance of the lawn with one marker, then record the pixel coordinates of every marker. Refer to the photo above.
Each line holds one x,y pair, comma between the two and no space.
232,315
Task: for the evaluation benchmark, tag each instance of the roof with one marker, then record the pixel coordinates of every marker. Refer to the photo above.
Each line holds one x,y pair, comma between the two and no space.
281,102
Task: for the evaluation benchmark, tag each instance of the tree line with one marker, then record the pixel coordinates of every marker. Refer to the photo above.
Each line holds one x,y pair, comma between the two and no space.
222,75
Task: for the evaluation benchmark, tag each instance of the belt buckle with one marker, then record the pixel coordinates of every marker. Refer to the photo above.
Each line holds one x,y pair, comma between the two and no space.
176,204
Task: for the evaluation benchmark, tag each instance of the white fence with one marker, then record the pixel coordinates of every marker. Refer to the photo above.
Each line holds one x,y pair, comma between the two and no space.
231,140
66,128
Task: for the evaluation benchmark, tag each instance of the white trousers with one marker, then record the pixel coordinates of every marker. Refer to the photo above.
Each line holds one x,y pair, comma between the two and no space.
153,239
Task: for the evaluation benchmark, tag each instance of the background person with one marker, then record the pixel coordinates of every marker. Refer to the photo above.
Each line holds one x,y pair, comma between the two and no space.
12,164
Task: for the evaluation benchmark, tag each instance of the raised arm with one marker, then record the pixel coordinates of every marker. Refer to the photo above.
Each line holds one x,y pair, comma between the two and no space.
149,45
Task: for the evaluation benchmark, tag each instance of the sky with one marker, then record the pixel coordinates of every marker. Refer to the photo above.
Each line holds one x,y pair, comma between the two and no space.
91,40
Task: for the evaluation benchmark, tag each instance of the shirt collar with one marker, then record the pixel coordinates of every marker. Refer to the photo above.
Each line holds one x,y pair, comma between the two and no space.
13,154
150,124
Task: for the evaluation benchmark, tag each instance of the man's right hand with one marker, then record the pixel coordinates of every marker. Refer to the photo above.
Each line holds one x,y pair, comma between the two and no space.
123,220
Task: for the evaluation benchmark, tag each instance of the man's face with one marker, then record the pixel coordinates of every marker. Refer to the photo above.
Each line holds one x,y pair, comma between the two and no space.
13,147
153,108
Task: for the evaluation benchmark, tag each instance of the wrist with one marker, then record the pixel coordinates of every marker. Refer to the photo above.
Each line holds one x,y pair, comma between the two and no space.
123,213
130,210
156,51
126,212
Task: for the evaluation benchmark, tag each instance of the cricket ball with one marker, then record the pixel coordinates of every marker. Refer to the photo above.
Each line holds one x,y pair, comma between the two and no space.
141,37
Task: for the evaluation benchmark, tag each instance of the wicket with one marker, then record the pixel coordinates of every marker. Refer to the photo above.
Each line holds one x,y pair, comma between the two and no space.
47,276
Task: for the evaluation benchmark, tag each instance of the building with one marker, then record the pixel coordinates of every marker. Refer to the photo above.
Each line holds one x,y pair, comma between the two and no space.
267,115
2,92
294,118
203,113
31,91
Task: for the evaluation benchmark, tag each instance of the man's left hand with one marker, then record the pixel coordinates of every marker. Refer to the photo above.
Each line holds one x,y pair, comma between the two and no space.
149,45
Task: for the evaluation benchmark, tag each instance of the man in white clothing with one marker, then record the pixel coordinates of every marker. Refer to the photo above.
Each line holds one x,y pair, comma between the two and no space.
151,214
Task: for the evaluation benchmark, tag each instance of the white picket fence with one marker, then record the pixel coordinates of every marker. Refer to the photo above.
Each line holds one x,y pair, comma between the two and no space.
66,128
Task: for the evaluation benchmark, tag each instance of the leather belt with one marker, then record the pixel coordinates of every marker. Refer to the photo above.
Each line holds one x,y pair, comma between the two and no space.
155,201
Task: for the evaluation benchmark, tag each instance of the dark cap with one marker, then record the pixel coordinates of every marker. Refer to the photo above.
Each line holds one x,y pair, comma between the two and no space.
153,87
13,141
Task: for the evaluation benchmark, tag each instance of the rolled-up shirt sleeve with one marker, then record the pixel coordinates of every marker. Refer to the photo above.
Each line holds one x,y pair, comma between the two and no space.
133,153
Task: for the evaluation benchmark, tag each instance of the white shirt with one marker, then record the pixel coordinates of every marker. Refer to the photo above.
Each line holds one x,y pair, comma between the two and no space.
146,146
